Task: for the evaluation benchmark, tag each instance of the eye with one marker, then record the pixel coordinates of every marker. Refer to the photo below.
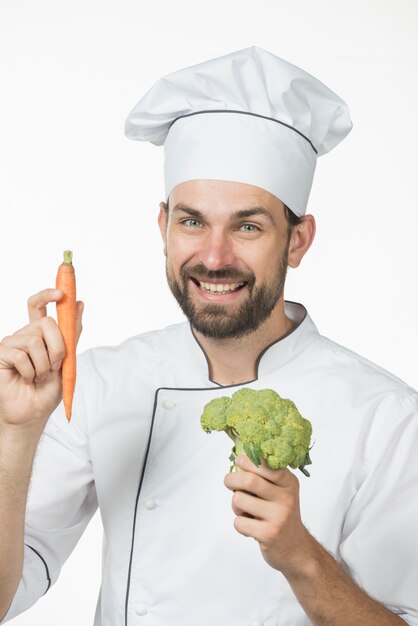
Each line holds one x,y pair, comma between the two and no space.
249,228
192,223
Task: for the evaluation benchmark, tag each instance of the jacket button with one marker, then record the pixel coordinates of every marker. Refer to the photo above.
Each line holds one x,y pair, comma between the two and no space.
141,610
150,504
169,404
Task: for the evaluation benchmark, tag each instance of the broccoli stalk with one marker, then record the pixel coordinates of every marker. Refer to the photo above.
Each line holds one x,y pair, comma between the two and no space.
263,426
250,449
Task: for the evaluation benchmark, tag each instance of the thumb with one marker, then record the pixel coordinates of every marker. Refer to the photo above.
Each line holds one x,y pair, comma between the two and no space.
79,319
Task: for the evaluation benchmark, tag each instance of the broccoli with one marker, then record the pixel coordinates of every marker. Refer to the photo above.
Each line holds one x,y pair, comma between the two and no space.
263,425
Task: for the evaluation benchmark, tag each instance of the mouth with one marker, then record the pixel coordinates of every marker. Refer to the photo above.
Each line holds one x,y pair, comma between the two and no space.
218,287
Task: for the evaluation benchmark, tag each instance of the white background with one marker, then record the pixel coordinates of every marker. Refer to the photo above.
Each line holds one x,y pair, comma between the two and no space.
69,74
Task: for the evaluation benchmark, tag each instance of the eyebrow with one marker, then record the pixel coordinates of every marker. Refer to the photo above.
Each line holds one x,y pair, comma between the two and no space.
238,215
258,210
185,209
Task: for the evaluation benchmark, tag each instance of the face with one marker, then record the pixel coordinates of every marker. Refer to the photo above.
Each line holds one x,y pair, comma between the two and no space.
227,248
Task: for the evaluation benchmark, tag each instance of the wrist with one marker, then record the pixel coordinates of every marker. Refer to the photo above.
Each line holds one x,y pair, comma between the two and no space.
305,560
18,442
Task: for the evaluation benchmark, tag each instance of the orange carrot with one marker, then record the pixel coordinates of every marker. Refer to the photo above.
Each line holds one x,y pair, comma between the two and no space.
66,313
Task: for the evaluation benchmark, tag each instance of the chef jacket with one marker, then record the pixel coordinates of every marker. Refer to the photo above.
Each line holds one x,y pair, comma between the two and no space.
171,555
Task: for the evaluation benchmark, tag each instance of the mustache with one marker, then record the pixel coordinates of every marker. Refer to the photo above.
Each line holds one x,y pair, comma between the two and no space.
201,272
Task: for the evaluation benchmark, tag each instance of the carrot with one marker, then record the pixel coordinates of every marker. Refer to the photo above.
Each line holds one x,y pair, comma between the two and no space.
66,313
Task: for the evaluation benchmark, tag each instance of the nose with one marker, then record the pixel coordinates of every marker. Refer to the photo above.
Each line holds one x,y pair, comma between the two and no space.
216,251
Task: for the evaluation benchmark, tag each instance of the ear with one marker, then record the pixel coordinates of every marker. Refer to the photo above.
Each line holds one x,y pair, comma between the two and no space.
300,240
162,223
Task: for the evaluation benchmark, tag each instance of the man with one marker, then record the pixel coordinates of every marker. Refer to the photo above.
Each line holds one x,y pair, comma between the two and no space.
241,135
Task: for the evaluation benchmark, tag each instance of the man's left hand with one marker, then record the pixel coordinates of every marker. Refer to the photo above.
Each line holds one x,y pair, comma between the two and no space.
266,503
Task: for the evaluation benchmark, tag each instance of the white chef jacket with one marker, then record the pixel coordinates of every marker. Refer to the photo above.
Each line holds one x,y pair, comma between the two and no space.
171,556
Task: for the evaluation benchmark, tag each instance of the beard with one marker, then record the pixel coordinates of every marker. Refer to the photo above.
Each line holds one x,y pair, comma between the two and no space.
219,321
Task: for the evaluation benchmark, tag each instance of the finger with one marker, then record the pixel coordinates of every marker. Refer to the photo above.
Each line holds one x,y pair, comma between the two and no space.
250,527
45,338
248,505
79,319
54,342
36,350
252,483
12,358
37,303
282,477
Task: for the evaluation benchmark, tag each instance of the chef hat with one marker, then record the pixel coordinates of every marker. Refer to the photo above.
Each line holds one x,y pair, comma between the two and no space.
248,117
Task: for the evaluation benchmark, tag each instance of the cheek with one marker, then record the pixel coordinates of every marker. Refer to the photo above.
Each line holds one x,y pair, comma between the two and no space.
181,250
263,261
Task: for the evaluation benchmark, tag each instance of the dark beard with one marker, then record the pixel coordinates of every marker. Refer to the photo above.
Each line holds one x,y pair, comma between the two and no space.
213,320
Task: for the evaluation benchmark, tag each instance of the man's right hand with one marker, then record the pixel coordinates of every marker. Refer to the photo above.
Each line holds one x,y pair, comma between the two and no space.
30,390
30,366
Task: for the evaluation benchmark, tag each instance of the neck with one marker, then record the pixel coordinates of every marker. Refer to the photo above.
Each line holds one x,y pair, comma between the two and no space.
233,361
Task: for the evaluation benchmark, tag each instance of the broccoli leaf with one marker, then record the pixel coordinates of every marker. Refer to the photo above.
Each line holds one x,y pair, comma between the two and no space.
232,458
307,461
253,452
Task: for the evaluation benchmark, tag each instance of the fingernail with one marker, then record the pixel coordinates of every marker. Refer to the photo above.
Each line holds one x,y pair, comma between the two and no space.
56,366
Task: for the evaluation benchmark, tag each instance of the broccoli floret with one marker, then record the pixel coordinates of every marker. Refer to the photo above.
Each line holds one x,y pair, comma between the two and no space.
214,414
263,425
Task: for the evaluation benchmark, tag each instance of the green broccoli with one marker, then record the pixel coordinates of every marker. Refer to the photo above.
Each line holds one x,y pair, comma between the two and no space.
263,425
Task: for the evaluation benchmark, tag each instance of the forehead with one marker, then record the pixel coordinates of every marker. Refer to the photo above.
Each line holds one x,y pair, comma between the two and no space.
223,196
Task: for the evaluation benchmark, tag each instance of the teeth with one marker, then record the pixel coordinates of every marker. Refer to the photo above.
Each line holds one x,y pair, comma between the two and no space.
216,288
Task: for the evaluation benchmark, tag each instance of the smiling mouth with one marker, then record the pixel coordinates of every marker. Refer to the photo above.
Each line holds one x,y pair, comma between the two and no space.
217,287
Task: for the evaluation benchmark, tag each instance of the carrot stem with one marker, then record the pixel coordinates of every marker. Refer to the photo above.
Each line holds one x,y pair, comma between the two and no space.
68,256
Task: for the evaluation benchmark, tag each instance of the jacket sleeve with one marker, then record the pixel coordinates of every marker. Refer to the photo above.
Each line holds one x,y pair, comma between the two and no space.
61,501
379,538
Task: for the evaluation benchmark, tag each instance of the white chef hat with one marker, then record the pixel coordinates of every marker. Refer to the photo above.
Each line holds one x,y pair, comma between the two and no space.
249,117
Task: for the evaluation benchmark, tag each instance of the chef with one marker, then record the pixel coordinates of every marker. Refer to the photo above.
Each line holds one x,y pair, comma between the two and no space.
185,542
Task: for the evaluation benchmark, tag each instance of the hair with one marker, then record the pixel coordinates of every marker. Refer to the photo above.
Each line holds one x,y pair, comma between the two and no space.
291,218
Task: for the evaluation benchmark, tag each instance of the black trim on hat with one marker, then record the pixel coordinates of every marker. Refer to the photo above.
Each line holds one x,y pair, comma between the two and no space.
265,117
